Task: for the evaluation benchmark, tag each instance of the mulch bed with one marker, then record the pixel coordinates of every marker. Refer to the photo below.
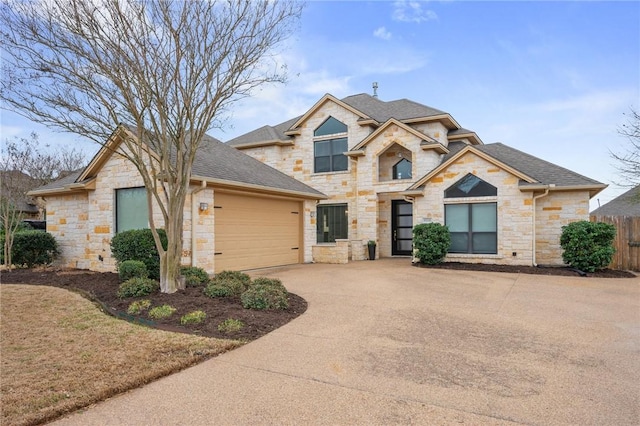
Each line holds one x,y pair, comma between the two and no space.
102,288
535,270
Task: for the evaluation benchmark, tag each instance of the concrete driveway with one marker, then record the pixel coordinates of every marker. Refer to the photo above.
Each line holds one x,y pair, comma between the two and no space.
386,343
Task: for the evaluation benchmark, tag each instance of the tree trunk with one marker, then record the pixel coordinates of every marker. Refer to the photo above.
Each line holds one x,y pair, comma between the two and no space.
170,259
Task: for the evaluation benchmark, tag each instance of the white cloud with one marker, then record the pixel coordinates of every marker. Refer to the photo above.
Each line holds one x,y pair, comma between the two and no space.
412,11
382,33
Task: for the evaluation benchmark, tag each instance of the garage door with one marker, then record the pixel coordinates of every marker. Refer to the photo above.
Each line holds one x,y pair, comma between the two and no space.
255,232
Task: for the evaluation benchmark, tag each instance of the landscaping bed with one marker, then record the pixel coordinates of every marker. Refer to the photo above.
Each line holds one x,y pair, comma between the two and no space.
535,270
102,289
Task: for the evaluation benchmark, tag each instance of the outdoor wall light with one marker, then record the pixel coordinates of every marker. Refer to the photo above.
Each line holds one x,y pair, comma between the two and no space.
204,206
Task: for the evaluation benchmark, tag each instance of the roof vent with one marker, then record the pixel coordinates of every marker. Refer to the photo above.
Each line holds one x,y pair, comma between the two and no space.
375,89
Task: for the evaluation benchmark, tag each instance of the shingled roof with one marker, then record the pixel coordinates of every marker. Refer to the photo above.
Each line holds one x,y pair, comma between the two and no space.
544,172
627,204
220,163
372,107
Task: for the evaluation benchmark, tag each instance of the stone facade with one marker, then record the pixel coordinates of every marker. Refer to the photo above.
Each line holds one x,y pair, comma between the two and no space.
369,188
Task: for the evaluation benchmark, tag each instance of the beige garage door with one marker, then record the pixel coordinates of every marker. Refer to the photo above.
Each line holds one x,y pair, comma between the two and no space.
255,232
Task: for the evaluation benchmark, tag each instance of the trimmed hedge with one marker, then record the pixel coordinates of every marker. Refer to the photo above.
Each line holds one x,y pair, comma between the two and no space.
32,248
265,294
228,284
132,269
136,287
588,246
431,242
138,244
194,276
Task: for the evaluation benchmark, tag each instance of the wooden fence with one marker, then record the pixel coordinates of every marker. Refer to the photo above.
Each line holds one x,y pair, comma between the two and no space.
627,241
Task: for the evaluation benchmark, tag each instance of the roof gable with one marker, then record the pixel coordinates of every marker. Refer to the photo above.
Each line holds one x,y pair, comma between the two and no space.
393,122
326,98
216,162
461,152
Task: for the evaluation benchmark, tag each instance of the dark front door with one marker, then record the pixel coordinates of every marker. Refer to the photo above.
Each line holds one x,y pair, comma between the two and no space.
402,228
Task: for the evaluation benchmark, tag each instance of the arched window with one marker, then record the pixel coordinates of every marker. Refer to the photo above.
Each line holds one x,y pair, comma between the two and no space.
329,151
473,226
470,186
330,126
402,169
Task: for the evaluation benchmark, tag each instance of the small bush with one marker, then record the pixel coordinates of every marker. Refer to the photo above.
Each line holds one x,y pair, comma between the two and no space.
195,317
230,326
137,287
588,246
135,308
33,248
194,276
160,312
132,269
234,275
431,242
138,244
228,284
265,294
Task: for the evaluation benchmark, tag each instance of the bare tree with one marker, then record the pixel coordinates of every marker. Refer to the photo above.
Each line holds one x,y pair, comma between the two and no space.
628,159
26,164
170,70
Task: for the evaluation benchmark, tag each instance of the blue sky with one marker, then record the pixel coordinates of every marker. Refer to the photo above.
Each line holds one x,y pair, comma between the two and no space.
550,78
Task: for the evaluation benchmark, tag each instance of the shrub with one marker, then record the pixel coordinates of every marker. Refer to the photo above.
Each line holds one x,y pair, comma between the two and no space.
265,294
132,269
137,287
160,312
228,284
240,276
230,325
431,242
195,317
138,244
588,246
138,306
194,276
33,248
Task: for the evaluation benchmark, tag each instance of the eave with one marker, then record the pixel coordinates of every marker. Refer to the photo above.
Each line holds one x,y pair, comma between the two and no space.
223,183
326,98
276,142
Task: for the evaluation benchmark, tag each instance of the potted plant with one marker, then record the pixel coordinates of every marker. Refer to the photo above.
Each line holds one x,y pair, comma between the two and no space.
371,245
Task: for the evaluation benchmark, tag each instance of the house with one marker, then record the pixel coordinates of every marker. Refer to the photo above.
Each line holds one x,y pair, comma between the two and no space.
14,183
240,213
624,213
317,187
386,166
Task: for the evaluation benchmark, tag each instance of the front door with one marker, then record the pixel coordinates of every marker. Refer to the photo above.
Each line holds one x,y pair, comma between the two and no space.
402,228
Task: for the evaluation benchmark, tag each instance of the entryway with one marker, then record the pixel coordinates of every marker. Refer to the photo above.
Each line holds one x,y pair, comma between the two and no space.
401,228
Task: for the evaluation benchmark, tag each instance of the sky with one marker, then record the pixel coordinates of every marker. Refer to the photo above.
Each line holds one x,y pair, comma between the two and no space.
553,79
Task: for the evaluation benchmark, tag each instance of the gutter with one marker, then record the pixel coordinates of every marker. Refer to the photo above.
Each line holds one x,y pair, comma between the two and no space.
194,213
533,241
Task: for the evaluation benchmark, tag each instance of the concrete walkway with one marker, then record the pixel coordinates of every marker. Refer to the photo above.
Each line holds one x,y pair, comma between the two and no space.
386,343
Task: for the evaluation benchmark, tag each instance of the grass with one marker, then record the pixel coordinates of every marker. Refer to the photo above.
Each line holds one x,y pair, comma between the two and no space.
60,353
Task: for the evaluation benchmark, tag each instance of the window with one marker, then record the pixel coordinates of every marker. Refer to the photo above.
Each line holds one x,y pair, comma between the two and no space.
131,209
328,153
331,126
470,186
473,227
332,223
402,169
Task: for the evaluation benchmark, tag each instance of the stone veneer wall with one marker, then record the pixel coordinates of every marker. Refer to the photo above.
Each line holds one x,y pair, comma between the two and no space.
363,187
515,209
84,223
552,213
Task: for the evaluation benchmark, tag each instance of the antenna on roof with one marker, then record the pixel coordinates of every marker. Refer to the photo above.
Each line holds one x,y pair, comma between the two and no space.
375,89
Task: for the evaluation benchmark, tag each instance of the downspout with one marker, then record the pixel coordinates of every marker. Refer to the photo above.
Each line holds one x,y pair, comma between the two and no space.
533,242
194,214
